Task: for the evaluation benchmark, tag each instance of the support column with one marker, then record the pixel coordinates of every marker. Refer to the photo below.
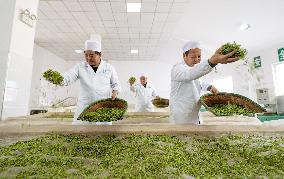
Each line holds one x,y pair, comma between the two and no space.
16,51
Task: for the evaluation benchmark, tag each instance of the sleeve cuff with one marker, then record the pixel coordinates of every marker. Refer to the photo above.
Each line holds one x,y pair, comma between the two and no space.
211,64
209,87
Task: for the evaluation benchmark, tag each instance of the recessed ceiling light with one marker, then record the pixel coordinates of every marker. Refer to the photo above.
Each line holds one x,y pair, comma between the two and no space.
134,51
78,51
133,7
244,27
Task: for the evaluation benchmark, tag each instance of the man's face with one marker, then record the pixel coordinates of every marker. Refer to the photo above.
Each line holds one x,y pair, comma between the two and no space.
143,80
92,57
193,57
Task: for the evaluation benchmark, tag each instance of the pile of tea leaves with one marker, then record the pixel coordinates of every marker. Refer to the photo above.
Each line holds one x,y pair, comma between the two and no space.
144,156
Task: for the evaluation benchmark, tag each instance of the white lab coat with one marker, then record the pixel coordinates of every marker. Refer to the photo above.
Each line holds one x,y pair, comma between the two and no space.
185,92
144,97
93,86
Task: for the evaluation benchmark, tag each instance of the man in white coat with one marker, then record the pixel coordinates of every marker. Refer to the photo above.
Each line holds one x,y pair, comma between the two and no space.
144,94
185,87
98,79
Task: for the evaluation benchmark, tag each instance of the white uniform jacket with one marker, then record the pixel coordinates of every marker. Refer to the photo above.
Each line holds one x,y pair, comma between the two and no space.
93,86
185,92
144,97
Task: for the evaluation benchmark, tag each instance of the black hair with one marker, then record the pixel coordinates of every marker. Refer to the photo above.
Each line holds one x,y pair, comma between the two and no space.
186,53
97,53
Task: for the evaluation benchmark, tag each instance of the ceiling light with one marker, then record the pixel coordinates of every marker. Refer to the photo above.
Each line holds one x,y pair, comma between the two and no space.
133,7
244,27
78,51
134,51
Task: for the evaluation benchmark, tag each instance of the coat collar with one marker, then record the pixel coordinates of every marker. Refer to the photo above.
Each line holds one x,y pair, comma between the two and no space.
100,67
147,86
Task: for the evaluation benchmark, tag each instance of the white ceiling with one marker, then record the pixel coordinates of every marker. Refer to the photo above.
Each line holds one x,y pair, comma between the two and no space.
64,25
160,29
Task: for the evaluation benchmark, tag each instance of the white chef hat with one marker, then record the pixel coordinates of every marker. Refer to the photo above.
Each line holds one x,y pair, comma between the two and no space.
93,45
190,45
144,74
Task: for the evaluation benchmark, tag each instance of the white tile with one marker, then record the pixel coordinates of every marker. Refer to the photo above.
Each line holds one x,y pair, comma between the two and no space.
122,30
41,15
124,35
93,15
179,7
121,23
133,19
147,18
160,17
79,15
111,30
134,36
100,30
88,6
173,17
134,30
148,7
106,16
184,1
133,1
120,16
113,35
118,7
157,30
168,1
64,29
133,16
144,36
103,6
65,15
169,26
124,40
44,6
145,29
59,6
109,24
163,7
153,35
59,22
73,6
51,14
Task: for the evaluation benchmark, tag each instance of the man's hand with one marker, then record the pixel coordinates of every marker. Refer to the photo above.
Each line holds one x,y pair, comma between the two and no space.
214,90
114,94
131,82
223,59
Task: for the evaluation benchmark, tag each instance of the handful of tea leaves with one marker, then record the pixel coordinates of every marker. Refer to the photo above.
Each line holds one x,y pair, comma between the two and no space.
229,47
53,77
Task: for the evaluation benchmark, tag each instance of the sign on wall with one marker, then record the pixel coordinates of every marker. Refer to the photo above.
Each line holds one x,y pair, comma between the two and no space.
281,54
257,62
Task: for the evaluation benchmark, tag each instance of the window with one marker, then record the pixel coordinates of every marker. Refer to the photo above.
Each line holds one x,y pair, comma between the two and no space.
224,84
278,73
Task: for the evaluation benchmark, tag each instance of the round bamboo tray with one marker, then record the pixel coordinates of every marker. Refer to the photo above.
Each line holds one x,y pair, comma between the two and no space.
160,102
106,103
208,100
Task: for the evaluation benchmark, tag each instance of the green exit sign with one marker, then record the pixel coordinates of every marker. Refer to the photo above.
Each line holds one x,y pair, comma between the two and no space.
257,62
281,54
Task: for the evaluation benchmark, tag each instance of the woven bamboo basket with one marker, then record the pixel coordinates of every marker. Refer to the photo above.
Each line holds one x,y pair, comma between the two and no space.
160,102
208,100
106,103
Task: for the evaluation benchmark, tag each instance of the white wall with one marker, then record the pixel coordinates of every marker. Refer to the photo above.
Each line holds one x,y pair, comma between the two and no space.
263,76
159,76
246,79
19,63
74,88
42,92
